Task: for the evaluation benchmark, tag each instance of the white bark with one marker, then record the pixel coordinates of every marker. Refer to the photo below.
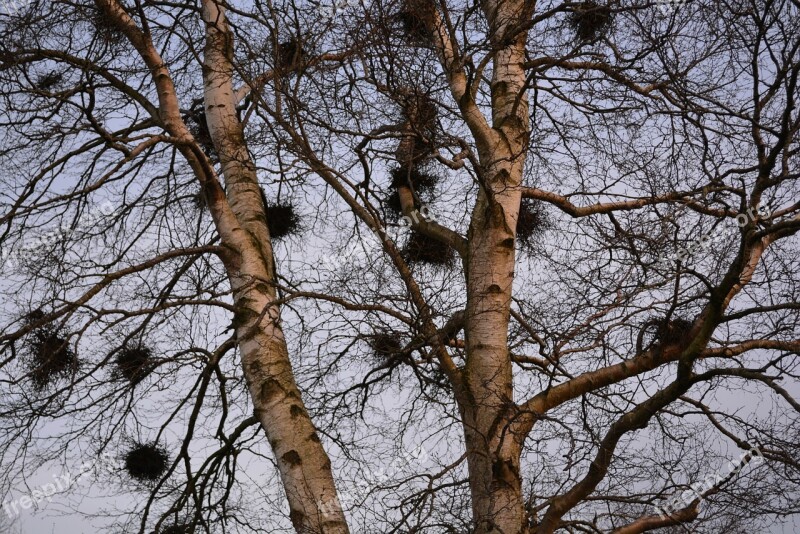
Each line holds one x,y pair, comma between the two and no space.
304,466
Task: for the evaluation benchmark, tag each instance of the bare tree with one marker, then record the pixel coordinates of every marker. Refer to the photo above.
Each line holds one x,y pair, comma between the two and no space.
551,244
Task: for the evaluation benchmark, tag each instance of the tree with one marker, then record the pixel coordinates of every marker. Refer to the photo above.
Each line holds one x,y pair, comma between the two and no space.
598,277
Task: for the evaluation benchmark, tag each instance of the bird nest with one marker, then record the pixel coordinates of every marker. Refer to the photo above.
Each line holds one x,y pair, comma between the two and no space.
198,127
134,362
393,204
411,19
420,115
420,110
290,54
105,28
675,331
420,182
49,81
177,529
146,462
532,222
421,249
590,20
415,178
657,332
282,220
385,345
49,356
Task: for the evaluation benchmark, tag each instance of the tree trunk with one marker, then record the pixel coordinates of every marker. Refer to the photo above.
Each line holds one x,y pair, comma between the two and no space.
305,468
493,451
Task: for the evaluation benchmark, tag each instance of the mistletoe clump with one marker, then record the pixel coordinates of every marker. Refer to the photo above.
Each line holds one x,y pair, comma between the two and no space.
146,462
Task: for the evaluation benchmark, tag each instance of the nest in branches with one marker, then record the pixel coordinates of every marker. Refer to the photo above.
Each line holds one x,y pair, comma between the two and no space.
657,332
420,181
411,18
385,345
393,204
48,81
532,222
49,355
415,178
134,362
420,111
673,332
105,29
282,220
196,122
590,20
177,529
421,249
290,54
34,316
420,114
146,462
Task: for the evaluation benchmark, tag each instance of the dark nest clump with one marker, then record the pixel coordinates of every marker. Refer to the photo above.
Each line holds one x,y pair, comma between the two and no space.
421,111
49,81
674,331
421,182
532,222
290,54
177,529
415,178
146,462
385,345
196,121
134,362
590,20
282,220
105,29
411,19
49,354
34,316
658,332
421,249
419,142
393,204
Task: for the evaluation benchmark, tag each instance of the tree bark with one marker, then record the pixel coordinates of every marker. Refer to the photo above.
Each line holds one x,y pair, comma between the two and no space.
493,450
304,466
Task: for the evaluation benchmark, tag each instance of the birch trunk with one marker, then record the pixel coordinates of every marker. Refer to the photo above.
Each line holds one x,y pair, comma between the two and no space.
493,451
304,466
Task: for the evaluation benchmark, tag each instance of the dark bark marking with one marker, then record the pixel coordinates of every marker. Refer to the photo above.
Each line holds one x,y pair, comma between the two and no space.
292,458
270,388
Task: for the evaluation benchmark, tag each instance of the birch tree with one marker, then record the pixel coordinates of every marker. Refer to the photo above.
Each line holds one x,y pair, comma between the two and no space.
548,247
